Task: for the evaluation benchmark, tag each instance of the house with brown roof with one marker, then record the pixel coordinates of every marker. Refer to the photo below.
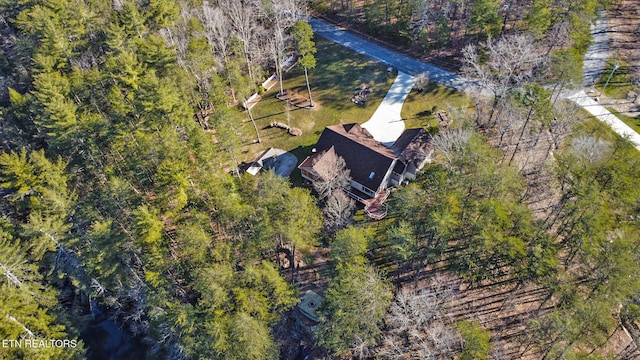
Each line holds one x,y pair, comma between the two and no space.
374,167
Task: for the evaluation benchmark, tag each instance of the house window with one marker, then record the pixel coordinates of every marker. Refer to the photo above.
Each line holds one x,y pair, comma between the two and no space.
367,190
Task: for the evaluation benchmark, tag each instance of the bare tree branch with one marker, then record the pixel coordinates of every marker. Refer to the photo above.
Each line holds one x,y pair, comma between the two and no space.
333,173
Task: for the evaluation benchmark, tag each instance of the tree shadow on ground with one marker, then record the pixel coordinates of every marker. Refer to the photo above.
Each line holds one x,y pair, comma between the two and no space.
301,153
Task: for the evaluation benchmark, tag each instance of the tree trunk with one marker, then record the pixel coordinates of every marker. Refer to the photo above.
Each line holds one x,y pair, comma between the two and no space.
562,83
494,106
293,261
233,94
253,121
246,59
524,127
306,76
279,73
506,18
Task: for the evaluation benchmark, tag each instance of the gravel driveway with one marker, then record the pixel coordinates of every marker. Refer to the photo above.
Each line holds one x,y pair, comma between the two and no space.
595,59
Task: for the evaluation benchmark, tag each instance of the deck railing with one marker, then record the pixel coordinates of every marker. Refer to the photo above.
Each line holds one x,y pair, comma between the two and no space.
379,213
354,195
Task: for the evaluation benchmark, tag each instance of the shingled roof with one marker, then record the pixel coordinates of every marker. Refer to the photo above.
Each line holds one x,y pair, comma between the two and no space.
413,146
367,159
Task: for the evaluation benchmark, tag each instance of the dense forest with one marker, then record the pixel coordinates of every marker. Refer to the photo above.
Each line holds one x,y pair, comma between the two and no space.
122,131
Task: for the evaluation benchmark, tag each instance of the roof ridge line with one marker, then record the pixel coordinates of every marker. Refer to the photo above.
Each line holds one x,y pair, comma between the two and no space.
391,154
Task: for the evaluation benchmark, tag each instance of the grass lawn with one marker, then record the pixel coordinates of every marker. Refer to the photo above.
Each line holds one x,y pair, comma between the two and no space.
633,123
338,74
416,110
619,80
591,126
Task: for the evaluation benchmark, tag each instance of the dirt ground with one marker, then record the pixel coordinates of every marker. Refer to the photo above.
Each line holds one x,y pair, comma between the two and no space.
624,25
624,31
295,99
294,332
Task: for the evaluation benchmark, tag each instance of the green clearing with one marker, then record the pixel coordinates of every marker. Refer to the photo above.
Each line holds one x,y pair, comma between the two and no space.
619,82
338,75
417,108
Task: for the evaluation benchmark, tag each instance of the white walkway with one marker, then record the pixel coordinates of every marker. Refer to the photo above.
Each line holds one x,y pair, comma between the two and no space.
386,124
600,112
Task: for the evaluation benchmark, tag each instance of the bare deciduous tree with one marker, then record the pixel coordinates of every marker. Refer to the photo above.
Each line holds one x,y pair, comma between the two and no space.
418,327
422,81
243,16
591,148
337,211
333,173
565,115
452,141
507,122
282,14
217,29
511,63
277,48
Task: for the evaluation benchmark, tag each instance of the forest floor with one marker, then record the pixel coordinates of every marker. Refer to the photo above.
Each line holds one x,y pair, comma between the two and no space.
624,30
624,34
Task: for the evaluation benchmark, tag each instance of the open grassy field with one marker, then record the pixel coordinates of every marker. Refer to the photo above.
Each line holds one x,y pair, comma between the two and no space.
337,76
339,73
416,110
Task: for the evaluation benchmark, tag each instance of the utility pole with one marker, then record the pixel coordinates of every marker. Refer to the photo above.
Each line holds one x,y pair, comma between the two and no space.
615,67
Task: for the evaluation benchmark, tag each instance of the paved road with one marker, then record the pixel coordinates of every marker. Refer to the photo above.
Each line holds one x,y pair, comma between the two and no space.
600,112
401,62
595,59
594,64
386,124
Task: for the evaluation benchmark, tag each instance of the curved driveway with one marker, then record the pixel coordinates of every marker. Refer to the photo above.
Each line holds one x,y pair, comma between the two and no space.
401,62
594,63
602,114
386,124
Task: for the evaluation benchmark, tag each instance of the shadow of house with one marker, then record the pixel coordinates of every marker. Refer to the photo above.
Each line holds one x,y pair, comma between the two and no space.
374,167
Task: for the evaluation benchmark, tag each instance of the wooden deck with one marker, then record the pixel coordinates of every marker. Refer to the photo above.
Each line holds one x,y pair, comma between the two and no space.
375,207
